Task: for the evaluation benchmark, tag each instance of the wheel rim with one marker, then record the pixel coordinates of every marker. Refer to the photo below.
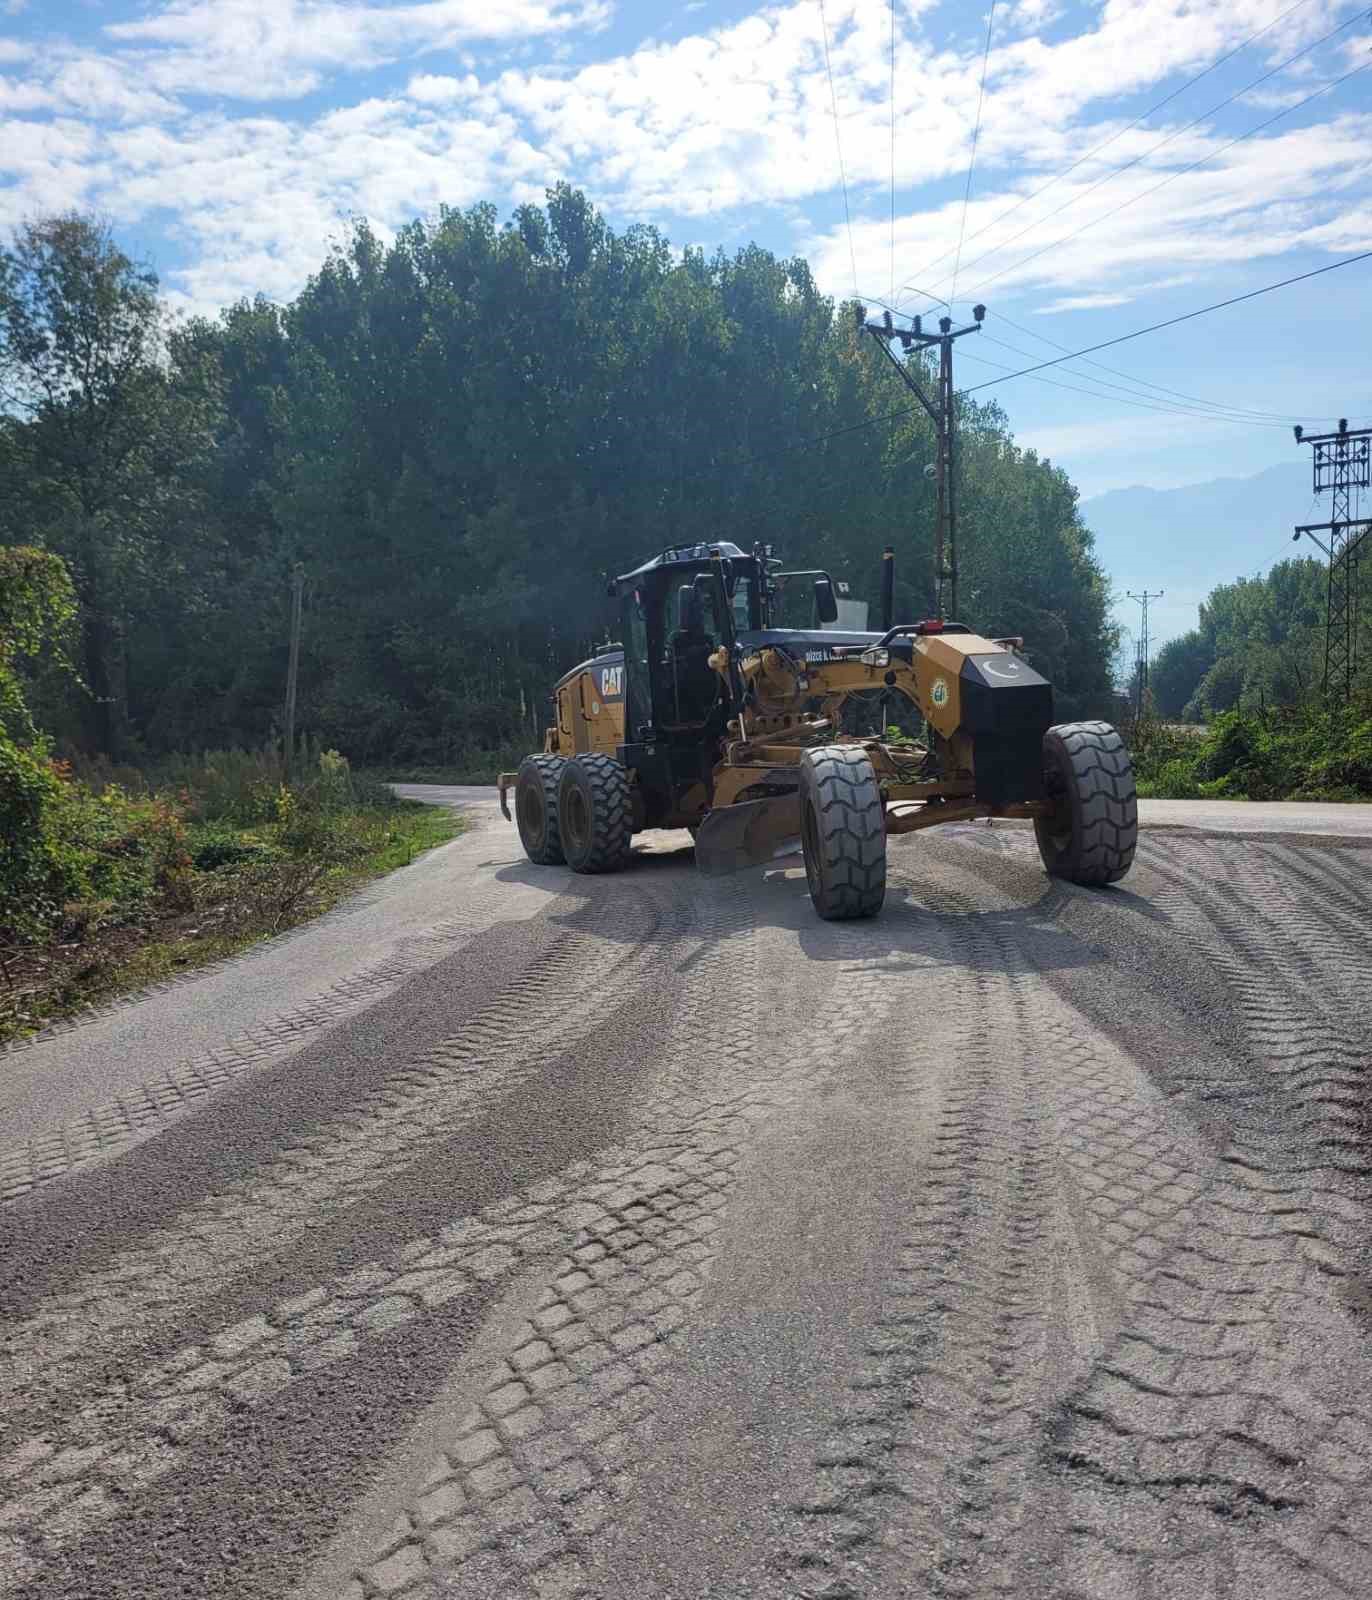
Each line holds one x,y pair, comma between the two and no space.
1057,825
809,829
576,819
533,814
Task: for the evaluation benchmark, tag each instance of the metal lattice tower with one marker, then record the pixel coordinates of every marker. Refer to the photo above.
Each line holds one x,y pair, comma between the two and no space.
1142,653
1342,464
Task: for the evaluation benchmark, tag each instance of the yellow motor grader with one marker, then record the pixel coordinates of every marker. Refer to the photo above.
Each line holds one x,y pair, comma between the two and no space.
709,717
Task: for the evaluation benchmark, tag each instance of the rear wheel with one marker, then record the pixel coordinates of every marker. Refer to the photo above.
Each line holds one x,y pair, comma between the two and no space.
595,813
536,809
843,832
1093,829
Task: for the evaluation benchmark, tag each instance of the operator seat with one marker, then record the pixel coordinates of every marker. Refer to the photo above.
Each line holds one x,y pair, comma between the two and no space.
696,683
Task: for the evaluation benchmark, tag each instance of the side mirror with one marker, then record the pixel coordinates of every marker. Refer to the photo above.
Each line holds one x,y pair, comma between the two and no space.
826,606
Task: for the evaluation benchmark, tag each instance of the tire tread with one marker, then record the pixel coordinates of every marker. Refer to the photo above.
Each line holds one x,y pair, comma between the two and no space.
612,813
1102,772
842,786
549,770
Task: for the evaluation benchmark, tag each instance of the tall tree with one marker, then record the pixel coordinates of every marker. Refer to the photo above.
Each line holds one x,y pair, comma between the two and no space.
107,420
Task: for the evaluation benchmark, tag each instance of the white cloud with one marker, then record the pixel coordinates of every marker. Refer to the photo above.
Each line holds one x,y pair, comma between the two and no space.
1260,198
1083,302
440,91
267,49
733,119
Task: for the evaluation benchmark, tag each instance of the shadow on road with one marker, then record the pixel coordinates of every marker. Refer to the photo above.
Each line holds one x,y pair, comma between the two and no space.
913,932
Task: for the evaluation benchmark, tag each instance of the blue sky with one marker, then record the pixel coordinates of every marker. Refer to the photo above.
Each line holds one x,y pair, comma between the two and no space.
227,140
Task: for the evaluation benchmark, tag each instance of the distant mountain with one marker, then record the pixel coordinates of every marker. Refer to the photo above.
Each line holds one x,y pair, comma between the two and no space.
1185,541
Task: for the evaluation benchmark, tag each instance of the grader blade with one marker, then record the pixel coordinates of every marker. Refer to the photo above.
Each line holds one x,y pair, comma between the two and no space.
747,835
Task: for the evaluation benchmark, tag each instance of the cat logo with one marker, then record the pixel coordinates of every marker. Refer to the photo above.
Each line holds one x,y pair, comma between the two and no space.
611,683
939,694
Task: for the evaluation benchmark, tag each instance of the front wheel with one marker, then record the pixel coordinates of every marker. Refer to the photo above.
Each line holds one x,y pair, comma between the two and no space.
536,809
1093,829
595,813
842,832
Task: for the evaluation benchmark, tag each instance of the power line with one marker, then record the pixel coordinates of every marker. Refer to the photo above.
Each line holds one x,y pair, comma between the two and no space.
838,143
1171,322
1171,178
716,467
972,160
1160,406
1116,172
1134,396
893,149
1095,150
1147,383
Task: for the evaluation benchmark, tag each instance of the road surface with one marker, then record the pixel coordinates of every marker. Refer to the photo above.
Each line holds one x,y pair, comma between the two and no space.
512,1234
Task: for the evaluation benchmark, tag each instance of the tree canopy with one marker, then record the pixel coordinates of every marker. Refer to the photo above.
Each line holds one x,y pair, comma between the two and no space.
457,434
1259,641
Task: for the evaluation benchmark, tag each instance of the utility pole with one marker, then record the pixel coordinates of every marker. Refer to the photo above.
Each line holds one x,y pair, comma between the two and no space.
1141,656
941,414
293,663
1341,463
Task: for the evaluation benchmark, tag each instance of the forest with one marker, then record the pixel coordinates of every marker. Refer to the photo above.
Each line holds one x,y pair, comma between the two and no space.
451,437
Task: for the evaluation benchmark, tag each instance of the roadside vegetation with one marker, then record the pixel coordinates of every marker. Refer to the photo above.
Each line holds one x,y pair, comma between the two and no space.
112,877
136,876
1237,705
1309,752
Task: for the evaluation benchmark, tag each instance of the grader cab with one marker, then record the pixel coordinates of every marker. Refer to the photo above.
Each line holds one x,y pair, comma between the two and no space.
709,716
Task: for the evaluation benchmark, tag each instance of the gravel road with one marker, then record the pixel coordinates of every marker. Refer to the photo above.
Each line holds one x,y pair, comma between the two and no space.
519,1236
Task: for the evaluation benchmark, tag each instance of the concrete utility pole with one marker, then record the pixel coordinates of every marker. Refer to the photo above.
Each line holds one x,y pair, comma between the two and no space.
1341,463
1141,656
293,663
941,414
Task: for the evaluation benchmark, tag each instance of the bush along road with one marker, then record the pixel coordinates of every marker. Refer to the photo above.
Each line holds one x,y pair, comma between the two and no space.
509,1233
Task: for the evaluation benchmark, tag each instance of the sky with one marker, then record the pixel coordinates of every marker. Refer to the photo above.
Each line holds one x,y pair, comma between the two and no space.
1084,170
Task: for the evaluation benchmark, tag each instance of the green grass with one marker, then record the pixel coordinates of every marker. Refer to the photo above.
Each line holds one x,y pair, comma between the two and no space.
283,880
479,770
1287,753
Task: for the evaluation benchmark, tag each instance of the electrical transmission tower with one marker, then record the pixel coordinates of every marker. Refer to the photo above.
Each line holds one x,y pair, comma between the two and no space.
940,412
1341,464
1141,655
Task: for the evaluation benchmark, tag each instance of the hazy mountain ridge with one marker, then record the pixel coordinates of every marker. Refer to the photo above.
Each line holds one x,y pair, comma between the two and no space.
1185,541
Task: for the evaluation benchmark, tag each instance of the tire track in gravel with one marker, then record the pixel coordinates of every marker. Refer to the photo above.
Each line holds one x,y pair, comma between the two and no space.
342,1160
800,1254
1287,973
1197,1457
520,1505
539,1459
1221,1445
120,1123
130,1436
921,1487
1189,1401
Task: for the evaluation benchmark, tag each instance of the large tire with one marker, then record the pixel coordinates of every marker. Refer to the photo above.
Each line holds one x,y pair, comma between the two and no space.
536,809
595,811
842,832
1091,836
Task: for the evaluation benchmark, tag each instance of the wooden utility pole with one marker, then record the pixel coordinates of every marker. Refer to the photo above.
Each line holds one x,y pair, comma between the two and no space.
293,664
941,413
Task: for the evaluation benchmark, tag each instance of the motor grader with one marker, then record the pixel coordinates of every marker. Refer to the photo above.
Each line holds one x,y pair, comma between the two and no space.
707,716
